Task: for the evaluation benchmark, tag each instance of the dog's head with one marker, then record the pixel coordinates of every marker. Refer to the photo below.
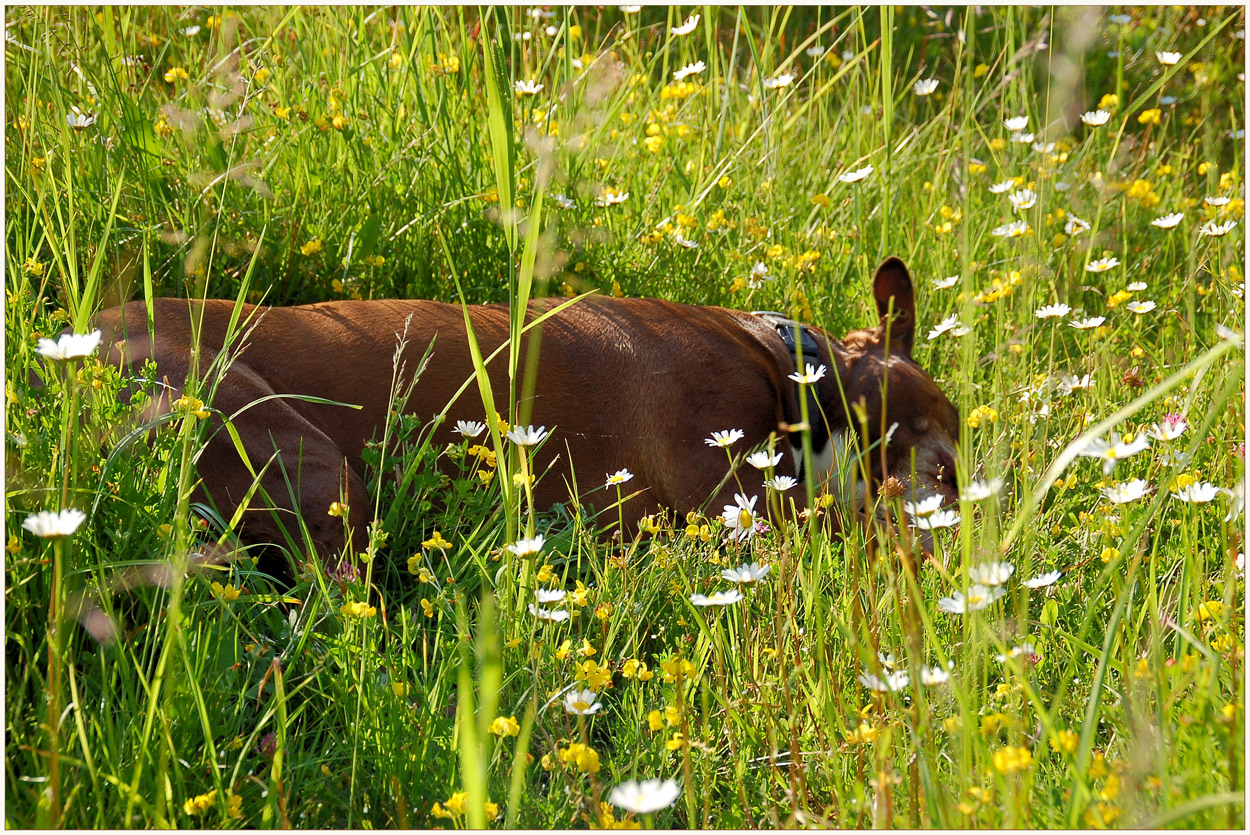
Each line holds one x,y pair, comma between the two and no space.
896,410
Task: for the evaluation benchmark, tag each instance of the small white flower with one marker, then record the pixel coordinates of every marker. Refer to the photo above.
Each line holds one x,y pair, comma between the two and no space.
1140,307
940,519
69,346
950,323
758,275
1011,230
763,459
1016,123
991,573
925,507
682,241
630,9
813,374
611,197
1061,186
1043,147
1069,384
1217,230
1095,118
724,437
527,547
1113,450
1003,187
979,490
943,283
746,573
191,31
1023,199
925,86
855,176
816,51
546,596
978,598
1168,221
689,70
1198,493
892,683
554,615
1136,286
935,675
470,428
646,797
781,483
687,27
51,524
581,702
1175,458
1022,138
78,120
1129,491
740,517
1167,59
563,201
1053,311
1075,226
1087,324
1101,265
619,477
1015,652
720,598
527,88
1171,428
1216,201
777,82
1042,580
527,435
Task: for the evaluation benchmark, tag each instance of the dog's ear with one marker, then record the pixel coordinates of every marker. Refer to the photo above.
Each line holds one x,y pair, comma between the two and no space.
894,282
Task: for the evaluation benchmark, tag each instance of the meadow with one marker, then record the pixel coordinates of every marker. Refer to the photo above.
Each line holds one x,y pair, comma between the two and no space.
1067,187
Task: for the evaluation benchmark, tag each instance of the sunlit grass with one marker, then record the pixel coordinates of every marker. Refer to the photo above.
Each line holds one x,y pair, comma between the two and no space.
767,158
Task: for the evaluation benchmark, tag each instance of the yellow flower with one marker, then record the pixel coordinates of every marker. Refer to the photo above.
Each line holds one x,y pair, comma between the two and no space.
226,593
1012,758
980,70
596,677
436,541
15,544
992,723
1100,815
675,669
986,414
201,803
1108,554
358,609
677,741
819,200
603,611
1110,789
863,735
337,509
545,574
1065,742
953,724
1223,643
175,74
655,720
311,248
578,595
505,726
582,756
455,803
427,607
1153,116
1098,766
725,182
339,121
492,810
1109,102
1210,610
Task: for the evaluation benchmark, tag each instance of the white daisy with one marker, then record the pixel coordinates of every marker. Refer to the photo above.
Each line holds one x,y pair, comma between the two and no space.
1011,230
813,374
1016,652
720,598
979,490
1069,384
781,483
546,596
1042,580
1095,118
816,51
892,683
949,323
689,70
943,283
1168,221
1052,311
581,702
925,507
740,517
646,797
777,82
991,573
1101,265
682,241
1216,201
856,175
553,615
563,201
69,346
1169,429
52,524
724,437
469,428
611,197
1200,492
78,120
1167,59
1023,199
1129,491
977,598
935,675
1075,226
687,27
1114,450
1136,286
526,547
1140,307
1087,324
940,519
1002,187
746,573
1217,230
618,477
1016,123
925,87
527,88
527,435
763,459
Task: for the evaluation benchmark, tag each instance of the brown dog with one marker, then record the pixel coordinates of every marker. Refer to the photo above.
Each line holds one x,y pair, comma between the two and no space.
621,383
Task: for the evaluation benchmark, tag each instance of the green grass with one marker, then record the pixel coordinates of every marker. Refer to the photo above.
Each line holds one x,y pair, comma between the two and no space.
347,154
